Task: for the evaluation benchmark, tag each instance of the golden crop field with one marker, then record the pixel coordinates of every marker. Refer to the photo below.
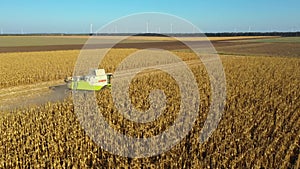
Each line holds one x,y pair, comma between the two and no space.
32,67
259,127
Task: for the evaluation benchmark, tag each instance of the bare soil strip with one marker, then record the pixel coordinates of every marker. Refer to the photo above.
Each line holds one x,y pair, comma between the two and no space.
222,47
261,49
167,45
25,95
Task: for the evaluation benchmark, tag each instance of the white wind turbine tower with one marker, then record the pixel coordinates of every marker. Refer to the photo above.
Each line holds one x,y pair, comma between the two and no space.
293,29
147,27
91,28
1,31
116,29
171,28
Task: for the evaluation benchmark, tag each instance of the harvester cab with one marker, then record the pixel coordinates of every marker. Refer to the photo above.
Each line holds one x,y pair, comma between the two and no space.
94,81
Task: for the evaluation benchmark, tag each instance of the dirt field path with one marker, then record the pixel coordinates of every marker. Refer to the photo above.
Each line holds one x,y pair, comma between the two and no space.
26,95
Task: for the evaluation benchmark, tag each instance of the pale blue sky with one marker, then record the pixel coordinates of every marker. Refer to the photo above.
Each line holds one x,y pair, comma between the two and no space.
75,16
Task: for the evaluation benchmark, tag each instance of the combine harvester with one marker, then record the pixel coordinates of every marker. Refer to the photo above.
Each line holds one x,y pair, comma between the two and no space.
96,80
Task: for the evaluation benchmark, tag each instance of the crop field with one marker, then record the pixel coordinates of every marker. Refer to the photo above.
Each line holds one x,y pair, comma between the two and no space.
275,40
259,127
11,41
277,46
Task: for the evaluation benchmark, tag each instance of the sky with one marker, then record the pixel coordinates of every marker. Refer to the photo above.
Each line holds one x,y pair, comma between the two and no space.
76,16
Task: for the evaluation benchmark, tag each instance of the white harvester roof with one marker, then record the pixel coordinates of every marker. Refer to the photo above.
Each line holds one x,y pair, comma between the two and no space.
97,72
100,72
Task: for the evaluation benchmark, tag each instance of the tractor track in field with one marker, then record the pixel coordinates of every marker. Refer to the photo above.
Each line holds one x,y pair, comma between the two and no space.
26,95
40,93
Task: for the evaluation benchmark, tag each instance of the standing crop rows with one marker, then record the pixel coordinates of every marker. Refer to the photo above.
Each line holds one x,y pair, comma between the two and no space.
259,127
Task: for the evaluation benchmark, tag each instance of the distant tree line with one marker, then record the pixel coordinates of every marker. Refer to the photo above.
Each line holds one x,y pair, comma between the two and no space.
221,34
283,34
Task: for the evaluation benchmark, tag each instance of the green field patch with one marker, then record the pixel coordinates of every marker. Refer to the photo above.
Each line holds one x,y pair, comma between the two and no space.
11,41
15,41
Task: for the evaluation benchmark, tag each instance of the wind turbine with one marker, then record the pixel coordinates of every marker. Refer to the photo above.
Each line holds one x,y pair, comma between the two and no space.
147,27
91,29
116,29
293,29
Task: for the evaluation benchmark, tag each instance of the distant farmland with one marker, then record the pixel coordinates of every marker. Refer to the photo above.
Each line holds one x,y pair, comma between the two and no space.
11,41
243,45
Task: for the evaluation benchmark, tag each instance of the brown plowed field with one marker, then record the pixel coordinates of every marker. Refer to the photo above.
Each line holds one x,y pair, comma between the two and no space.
222,47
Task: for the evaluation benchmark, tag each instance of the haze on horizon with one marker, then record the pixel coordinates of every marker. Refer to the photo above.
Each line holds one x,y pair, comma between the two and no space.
54,16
